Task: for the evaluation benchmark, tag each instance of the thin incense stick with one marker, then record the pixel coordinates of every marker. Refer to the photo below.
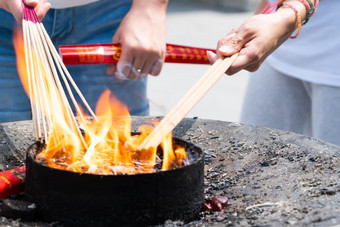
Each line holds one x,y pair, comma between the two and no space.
31,69
41,84
43,66
185,105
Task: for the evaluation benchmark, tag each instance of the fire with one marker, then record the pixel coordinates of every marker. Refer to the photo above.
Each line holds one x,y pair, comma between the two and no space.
107,146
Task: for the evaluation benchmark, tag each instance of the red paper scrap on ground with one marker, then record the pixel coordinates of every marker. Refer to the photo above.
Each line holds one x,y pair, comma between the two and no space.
12,181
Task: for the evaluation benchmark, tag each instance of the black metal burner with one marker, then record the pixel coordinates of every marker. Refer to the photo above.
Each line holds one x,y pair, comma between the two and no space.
77,199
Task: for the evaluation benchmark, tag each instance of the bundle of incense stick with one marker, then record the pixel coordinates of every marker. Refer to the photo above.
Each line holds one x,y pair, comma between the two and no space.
44,66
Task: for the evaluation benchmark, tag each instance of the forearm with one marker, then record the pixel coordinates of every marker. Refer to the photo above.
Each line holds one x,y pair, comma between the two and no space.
294,10
2,4
156,7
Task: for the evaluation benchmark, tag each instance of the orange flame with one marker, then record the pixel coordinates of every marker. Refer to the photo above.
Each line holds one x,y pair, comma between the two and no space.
21,64
111,149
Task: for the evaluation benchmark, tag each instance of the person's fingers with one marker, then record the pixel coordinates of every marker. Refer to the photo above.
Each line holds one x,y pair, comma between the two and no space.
234,41
147,61
156,67
146,69
238,65
253,67
232,46
241,41
111,69
226,39
140,66
134,73
42,8
15,7
212,57
125,63
123,70
248,59
137,60
224,42
31,3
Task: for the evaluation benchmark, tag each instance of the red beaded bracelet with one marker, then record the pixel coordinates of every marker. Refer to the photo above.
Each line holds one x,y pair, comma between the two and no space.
311,7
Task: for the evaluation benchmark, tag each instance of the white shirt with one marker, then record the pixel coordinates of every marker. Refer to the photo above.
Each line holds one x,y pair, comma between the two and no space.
314,56
59,4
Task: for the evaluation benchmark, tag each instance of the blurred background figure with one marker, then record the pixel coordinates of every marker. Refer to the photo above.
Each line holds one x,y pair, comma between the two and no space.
297,86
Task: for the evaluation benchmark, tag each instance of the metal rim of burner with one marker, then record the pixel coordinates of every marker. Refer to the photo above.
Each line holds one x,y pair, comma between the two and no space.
79,199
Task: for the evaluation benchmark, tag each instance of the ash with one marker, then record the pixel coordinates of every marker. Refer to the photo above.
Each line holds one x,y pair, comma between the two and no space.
271,177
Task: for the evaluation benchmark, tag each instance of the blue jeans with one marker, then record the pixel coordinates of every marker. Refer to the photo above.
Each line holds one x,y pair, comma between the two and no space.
92,23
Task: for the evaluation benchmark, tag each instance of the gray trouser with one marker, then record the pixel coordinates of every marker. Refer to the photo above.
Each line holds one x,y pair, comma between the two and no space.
276,100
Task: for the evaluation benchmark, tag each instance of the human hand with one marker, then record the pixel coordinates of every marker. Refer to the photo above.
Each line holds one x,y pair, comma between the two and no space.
142,37
255,40
15,7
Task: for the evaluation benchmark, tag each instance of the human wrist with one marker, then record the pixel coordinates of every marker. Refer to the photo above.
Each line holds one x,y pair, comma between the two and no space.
3,5
306,8
155,10
286,18
302,16
11,6
151,4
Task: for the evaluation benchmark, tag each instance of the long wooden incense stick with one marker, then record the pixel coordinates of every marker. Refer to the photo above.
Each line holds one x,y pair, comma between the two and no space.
185,105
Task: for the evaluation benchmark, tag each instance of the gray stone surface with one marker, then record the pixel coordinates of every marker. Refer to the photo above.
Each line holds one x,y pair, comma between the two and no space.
272,177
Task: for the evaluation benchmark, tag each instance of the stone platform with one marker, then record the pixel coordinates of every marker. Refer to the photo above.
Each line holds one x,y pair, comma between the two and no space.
272,177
